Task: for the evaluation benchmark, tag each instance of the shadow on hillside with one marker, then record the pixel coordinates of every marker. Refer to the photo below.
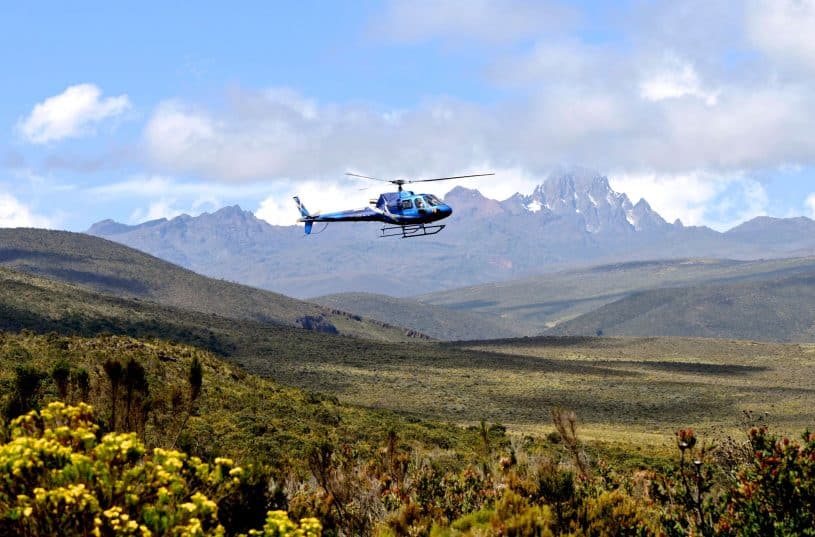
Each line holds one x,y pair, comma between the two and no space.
50,265
605,405
14,319
7,255
687,367
99,282
544,341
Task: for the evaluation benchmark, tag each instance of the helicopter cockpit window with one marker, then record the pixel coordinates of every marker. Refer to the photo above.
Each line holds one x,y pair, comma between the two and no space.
407,204
419,203
432,200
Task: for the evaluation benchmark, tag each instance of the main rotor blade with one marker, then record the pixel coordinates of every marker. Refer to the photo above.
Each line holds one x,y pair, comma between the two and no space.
448,178
366,177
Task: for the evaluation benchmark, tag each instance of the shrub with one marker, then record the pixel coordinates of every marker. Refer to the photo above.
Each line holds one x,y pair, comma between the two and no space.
59,477
774,492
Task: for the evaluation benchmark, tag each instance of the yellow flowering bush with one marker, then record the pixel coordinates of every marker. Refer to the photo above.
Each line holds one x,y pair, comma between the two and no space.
58,478
278,525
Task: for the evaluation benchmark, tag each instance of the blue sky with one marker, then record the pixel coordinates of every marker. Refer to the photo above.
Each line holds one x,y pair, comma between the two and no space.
144,110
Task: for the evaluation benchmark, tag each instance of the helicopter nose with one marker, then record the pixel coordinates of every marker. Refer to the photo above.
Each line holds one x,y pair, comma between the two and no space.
446,210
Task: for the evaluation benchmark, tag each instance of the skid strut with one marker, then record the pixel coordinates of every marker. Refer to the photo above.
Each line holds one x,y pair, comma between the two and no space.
411,230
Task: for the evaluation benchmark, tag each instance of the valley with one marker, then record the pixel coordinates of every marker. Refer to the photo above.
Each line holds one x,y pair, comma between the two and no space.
623,386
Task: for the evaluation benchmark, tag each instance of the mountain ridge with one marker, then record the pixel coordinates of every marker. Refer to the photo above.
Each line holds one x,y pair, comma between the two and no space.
569,221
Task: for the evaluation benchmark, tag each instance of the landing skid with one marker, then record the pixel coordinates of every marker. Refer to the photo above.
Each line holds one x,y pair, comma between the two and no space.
411,230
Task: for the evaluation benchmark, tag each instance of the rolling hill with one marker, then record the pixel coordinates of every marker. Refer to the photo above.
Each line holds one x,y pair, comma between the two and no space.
114,269
767,310
434,321
548,300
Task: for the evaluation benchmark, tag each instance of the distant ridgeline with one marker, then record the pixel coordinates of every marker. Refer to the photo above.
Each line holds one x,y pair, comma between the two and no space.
573,218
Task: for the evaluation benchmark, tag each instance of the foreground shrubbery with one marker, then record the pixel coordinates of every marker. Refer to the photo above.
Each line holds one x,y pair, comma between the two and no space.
308,458
59,477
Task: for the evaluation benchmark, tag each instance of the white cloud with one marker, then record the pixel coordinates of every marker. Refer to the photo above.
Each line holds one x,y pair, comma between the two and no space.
70,114
271,134
675,80
697,198
279,208
13,213
809,203
167,197
156,210
783,29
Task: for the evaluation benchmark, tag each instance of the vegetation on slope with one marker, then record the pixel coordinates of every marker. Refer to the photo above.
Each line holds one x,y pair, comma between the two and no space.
775,310
282,434
108,267
236,414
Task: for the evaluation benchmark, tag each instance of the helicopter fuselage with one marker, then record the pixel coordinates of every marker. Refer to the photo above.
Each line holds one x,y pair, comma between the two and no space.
398,208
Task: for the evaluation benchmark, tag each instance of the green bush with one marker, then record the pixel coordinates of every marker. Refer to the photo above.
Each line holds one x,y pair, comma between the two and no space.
774,493
60,478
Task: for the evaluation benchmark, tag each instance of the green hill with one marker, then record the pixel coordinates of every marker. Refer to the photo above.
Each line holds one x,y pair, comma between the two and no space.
435,321
774,310
548,300
114,269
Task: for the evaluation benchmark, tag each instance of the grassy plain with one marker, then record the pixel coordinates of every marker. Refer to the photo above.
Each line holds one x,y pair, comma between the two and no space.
623,389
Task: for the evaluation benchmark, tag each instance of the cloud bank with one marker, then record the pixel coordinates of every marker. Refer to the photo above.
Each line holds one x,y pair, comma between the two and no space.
13,213
71,114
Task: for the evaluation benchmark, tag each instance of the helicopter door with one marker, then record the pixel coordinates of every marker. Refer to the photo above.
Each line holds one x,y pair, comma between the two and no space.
420,205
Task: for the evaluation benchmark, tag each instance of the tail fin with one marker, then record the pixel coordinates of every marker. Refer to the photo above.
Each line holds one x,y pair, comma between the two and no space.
304,215
303,211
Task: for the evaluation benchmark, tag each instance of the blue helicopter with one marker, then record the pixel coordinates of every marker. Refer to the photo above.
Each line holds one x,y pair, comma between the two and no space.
407,213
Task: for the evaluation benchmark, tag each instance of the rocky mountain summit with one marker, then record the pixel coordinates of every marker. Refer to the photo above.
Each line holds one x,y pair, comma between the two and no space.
574,218
583,196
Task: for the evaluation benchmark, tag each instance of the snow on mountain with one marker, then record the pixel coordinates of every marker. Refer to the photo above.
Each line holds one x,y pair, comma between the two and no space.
586,196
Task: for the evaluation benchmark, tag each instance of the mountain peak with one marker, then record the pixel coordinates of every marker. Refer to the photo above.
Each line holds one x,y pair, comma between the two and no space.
231,210
461,192
584,197
471,201
107,227
770,224
643,218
